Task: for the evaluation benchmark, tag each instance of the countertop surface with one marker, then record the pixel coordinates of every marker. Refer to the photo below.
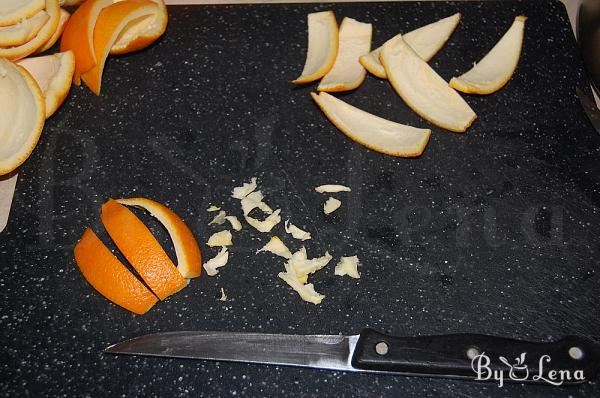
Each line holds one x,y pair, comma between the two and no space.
8,182
493,231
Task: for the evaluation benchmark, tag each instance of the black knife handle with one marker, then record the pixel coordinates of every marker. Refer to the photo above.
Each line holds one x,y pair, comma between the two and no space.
459,355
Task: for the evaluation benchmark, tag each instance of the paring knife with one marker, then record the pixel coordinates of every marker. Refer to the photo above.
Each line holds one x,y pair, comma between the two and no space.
463,356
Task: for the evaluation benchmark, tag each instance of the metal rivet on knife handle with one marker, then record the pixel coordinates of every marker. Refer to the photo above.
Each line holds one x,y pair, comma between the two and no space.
472,352
576,353
381,348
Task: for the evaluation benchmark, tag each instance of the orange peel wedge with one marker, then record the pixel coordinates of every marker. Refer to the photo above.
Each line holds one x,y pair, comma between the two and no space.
373,132
497,67
14,11
322,46
189,260
53,73
24,31
347,73
17,52
109,276
142,250
422,89
426,41
78,36
60,27
22,115
139,35
111,22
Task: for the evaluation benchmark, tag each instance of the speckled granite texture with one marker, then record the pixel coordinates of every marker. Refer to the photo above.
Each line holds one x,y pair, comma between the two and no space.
494,231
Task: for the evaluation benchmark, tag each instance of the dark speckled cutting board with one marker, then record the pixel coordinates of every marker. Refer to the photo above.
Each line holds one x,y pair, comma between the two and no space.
493,231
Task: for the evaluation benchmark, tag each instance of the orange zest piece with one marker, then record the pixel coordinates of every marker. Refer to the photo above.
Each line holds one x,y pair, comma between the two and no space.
189,260
142,250
139,35
111,22
109,276
78,36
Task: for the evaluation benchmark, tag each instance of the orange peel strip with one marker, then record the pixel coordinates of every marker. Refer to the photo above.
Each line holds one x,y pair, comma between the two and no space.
78,35
111,22
141,249
323,46
347,73
140,35
422,89
189,260
109,276
372,131
497,67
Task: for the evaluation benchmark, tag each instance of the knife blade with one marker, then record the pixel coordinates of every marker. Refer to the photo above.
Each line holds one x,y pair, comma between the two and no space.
461,356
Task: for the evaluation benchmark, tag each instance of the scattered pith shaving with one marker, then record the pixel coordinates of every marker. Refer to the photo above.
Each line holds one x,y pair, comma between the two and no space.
219,218
331,188
296,232
277,247
244,190
348,266
235,223
302,266
218,261
298,257
254,200
307,292
267,224
222,238
298,266
331,205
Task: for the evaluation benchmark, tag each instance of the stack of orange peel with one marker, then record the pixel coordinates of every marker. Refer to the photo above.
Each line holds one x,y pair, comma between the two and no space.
102,27
161,277
33,88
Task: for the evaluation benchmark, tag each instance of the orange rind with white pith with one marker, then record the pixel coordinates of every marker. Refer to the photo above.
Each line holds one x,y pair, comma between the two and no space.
323,46
422,89
111,22
378,134
15,53
53,74
497,67
22,115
